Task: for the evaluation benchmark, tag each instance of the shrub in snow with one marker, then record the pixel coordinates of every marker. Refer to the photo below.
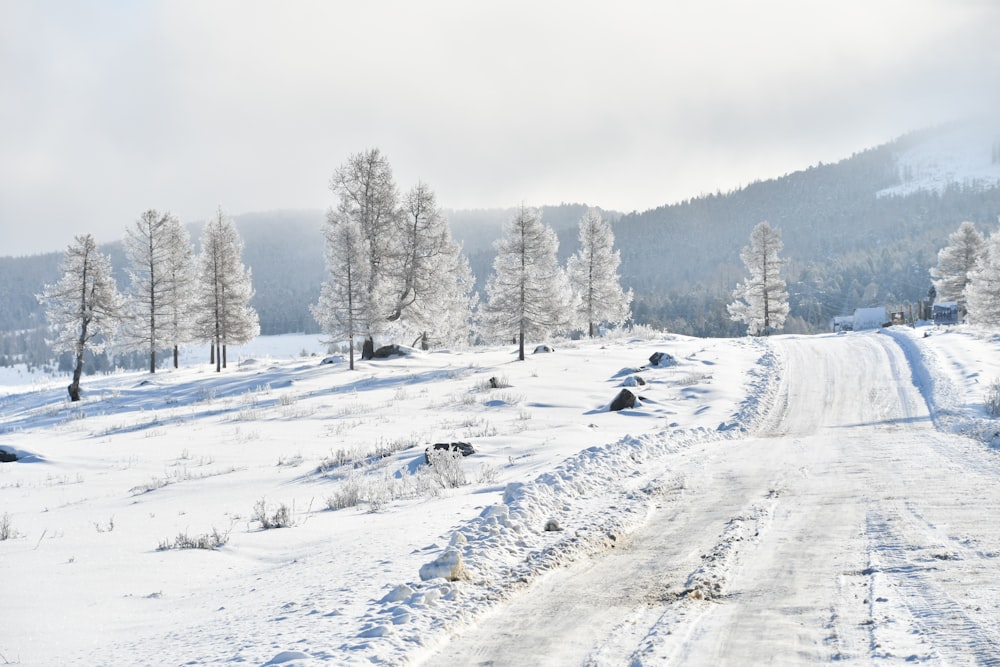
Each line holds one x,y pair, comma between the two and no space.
348,494
6,529
552,526
213,541
993,398
463,448
446,566
446,468
280,518
497,382
487,474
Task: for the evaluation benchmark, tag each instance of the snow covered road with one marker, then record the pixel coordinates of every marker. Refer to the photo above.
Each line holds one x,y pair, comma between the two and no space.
847,529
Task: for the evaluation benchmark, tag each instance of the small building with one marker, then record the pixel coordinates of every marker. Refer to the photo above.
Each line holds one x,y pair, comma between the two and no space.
946,312
843,323
871,318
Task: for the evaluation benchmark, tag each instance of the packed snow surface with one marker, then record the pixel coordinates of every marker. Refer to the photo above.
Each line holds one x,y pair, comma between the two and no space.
792,500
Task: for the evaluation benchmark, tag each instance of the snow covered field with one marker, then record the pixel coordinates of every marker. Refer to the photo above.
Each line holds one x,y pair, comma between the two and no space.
794,500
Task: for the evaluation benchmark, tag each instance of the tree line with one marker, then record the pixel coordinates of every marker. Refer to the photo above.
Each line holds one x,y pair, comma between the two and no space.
173,297
393,271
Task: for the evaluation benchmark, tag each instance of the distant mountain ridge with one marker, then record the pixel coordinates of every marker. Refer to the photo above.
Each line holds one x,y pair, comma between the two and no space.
859,232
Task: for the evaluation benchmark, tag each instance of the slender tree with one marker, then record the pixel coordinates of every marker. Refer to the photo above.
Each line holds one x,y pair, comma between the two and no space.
160,271
180,289
84,307
343,310
956,262
761,301
432,278
528,293
982,294
593,274
224,290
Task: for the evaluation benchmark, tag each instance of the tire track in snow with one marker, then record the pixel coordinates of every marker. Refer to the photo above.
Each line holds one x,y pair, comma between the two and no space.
907,597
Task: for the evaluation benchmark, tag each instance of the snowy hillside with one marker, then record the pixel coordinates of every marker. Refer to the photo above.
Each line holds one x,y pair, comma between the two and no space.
962,155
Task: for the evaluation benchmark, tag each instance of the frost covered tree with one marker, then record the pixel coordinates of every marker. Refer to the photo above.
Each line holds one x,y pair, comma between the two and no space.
159,255
343,310
416,283
528,293
84,307
761,301
982,294
956,262
367,196
593,274
178,324
224,290
431,277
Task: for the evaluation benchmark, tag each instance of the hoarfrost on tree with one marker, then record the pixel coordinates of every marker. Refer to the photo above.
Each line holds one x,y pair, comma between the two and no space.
761,301
224,314
593,275
528,293
159,298
84,308
956,263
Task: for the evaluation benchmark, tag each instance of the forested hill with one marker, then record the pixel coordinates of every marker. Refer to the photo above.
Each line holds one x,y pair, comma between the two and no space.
850,240
861,232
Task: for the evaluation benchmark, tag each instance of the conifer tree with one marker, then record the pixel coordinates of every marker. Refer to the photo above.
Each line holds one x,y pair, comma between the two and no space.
982,294
593,274
84,307
160,270
367,196
528,293
224,313
761,301
956,263
343,310
432,278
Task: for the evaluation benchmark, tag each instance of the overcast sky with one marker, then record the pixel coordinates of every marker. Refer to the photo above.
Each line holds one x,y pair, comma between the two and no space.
111,108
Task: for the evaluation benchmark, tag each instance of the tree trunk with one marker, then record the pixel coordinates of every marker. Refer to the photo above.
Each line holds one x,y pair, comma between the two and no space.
152,360
176,353
223,355
74,387
520,343
368,350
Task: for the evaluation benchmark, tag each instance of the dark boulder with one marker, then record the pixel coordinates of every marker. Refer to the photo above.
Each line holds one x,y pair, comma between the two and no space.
625,399
662,359
544,348
7,457
387,351
464,448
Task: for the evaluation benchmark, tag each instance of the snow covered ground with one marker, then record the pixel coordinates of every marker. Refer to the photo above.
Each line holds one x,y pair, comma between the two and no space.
960,155
788,499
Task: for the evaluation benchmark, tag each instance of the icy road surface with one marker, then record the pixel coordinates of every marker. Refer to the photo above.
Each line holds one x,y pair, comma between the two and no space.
847,530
